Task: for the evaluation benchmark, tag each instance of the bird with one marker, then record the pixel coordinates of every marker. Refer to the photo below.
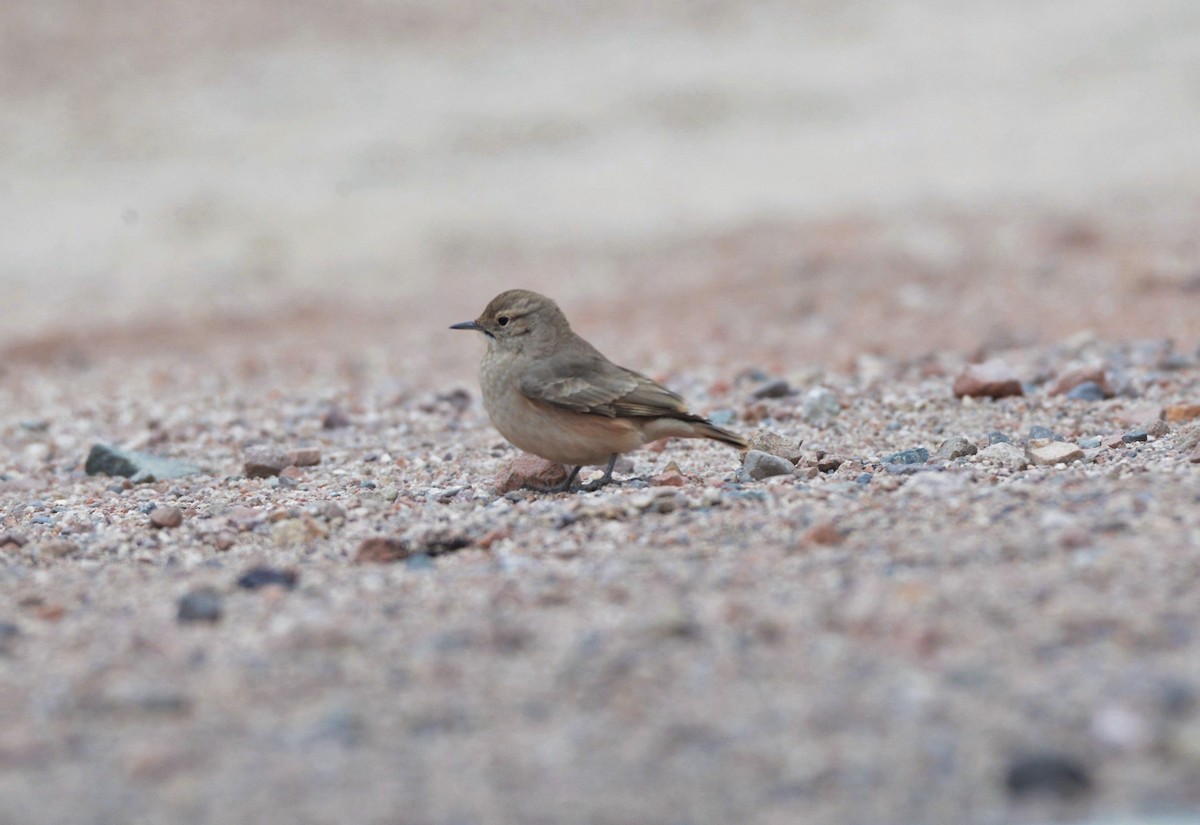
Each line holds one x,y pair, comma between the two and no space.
551,393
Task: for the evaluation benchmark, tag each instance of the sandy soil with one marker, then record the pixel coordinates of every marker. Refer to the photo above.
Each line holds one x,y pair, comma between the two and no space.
228,229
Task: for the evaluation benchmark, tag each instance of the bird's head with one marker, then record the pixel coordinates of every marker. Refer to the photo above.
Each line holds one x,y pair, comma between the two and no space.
518,318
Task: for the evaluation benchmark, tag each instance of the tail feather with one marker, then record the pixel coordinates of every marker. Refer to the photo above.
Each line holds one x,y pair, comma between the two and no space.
709,430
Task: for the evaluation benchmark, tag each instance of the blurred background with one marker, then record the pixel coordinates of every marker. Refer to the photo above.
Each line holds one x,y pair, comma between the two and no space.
852,169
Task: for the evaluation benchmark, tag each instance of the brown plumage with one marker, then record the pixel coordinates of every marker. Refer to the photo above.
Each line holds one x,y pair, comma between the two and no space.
553,394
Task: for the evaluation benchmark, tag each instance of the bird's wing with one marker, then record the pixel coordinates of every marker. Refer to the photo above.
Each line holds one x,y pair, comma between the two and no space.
593,384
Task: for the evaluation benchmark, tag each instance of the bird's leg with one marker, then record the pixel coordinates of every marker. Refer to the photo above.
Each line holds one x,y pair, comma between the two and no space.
565,487
604,479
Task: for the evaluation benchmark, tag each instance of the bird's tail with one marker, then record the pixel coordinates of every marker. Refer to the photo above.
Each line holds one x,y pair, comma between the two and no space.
707,429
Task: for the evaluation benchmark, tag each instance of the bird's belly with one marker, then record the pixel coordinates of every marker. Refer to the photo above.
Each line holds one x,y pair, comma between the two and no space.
562,436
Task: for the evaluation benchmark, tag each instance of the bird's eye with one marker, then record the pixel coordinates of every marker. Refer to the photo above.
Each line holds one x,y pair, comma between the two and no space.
502,320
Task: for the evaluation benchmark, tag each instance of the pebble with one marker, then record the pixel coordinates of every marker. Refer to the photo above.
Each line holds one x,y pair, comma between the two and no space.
997,437
334,419
820,405
1135,435
382,549
956,447
917,455
773,389
1194,458
138,466
531,472
1045,452
257,577
263,461
758,465
1088,391
166,517
829,462
991,379
1071,379
1182,412
1002,452
55,548
200,605
10,540
1156,428
1039,432
305,457
1047,775
671,476
1089,443
776,444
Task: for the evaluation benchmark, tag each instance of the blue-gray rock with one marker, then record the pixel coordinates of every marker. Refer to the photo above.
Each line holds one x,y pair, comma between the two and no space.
1049,775
138,466
917,455
1135,435
258,577
1089,443
202,605
997,437
1038,431
1087,391
722,418
758,465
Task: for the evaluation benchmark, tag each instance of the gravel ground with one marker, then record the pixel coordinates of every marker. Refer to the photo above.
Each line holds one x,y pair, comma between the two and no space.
238,238
965,639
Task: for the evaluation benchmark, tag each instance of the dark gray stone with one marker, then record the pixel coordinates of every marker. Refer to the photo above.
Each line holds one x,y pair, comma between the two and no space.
997,437
131,464
1049,775
1038,431
774,389
1087,391
956,447
203,605
1135,435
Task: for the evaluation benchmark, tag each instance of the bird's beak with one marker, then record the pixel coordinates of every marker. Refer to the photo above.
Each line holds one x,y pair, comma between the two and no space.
468,325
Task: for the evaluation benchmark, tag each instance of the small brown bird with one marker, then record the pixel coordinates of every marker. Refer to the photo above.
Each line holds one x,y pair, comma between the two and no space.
553,394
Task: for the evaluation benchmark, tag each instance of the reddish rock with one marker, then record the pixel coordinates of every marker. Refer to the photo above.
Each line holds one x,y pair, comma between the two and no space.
991,379
1047,453
382,549
826,533
530,471
166,517
670,477
1182,412
1077,374
11,541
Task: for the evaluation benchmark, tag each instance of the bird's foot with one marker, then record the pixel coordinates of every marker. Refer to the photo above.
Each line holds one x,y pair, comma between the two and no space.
607,478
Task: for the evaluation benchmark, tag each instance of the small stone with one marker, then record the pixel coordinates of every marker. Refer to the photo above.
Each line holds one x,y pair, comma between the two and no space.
140,467
1138,414
820,405
1194,458
292,532
671,476
258,577
997,437
758,465
1047,453
200,605
56,548
1039,432
305,457
11,541
264,461
829,462
1087,391
334,419
1047,775
1089,443
382,549
775,444
1182,412
166,517
826,534
956,447
1002,452
722,418
991,379
1135,435
1156,428
531,472
223,541
1070,380
917,455
773,389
